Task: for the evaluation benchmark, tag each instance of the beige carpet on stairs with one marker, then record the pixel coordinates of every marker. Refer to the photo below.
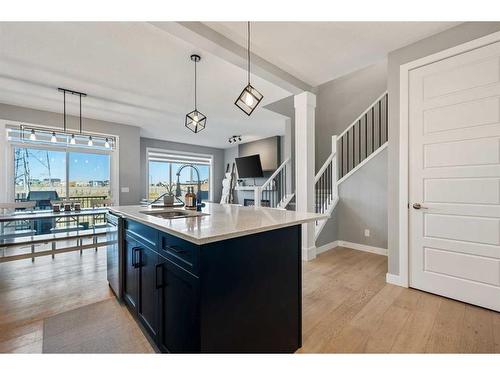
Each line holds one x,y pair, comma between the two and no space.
102,327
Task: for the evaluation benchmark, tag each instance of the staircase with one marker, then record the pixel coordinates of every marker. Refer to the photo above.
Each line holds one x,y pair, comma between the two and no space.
353,148
276,192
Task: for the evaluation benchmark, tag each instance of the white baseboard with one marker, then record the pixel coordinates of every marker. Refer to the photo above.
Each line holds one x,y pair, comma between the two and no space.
339,243
390,278
361,247
326,247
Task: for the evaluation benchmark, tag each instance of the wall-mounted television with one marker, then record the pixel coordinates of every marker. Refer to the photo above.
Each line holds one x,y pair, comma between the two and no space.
249,166
268,150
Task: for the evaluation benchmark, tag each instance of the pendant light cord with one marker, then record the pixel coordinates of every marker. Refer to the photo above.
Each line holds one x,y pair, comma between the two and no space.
248,50
195,107
64,121
80,113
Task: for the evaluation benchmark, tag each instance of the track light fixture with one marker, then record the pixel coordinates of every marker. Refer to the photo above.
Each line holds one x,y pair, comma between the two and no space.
234,139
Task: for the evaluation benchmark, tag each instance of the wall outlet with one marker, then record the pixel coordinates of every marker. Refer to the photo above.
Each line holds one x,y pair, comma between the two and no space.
367,232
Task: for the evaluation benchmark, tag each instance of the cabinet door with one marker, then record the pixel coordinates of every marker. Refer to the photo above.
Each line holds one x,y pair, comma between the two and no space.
147,309
131,282
179,310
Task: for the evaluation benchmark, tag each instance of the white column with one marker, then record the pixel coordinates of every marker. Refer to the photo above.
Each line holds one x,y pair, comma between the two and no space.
288,154
305,104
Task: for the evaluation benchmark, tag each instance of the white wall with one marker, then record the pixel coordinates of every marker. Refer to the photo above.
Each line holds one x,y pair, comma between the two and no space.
452,37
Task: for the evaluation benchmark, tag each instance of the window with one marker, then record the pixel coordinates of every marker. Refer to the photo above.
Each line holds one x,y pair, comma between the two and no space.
45,174
163,167
39,175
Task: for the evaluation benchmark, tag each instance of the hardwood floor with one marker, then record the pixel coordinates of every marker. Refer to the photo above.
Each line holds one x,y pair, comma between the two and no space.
31,292
347,306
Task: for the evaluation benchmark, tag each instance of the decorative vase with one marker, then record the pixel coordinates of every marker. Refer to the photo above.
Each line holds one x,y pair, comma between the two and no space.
168,200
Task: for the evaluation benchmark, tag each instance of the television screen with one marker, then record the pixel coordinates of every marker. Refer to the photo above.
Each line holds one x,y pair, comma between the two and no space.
249,166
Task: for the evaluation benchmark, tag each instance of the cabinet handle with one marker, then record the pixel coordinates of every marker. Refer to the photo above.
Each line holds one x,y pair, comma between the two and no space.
159,267
176,249
135,263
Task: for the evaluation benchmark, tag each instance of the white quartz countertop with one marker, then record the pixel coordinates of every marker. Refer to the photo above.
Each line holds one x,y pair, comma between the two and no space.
223,221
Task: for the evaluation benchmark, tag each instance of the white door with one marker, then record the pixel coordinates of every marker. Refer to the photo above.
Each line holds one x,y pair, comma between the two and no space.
454,145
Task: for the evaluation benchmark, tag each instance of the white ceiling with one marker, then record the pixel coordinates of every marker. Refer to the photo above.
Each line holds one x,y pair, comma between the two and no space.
317,52
138,74
133,73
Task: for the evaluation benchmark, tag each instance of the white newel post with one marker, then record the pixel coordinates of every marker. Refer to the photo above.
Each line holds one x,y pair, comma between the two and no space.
256,199
288,154
305,104
335,165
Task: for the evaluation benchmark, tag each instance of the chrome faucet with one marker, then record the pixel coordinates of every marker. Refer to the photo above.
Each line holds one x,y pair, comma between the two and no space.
178,187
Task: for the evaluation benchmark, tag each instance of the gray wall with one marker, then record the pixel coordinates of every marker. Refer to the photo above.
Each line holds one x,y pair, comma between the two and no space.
339,103
129,142
217,154
362,205
452,37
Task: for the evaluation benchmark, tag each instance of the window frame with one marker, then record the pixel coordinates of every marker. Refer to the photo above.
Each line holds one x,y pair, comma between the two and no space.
210,157
9,162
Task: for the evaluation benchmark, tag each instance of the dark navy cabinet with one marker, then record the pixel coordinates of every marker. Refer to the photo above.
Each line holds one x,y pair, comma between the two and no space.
147,308
178,310
241,295
131,280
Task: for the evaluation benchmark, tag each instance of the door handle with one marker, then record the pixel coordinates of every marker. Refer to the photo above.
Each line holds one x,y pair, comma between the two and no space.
159,267
418,206
135,263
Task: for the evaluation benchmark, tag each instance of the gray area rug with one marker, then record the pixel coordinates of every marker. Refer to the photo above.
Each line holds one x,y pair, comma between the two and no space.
103,327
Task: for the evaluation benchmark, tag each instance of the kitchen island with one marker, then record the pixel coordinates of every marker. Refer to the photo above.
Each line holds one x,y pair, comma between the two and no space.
224,280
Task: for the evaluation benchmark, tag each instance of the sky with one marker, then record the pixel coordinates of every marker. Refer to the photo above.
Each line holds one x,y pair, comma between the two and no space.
86,166
159,171
83,166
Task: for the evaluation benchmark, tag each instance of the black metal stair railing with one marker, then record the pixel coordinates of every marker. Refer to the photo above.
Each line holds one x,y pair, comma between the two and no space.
367,134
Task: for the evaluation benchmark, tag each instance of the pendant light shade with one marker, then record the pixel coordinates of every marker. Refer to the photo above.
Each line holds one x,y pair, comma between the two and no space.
249,98
53,139
195,120
32,135
90,143
73,140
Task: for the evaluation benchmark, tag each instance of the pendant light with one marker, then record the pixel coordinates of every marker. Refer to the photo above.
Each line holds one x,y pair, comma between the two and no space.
195,120
32,135
72,139
106,143
249,98
53,139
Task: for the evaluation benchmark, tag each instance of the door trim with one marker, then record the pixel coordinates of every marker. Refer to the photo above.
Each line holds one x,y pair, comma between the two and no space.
403,185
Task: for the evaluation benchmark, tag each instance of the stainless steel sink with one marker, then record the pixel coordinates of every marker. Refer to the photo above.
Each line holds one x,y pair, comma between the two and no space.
174,214
168,214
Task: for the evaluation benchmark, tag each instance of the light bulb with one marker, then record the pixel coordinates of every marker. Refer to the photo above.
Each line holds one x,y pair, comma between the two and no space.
72,141
90,142
32,135
53,139
195,118
106,144
248,99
